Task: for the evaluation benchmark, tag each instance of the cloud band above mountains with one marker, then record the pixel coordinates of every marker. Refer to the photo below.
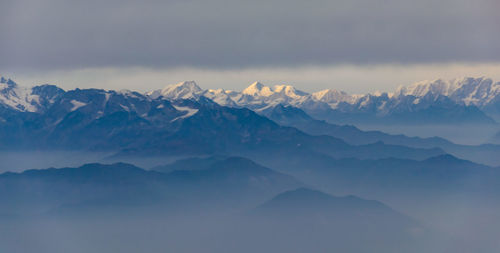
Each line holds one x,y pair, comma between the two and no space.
55,34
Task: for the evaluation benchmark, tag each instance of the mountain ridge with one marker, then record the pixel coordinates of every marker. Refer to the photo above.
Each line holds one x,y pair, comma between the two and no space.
465,96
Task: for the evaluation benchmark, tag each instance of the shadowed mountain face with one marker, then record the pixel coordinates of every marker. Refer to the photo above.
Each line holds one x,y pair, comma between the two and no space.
137,125
215,129
223,130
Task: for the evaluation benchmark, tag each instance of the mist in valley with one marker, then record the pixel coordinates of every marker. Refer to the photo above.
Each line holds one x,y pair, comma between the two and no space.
465,134
200,212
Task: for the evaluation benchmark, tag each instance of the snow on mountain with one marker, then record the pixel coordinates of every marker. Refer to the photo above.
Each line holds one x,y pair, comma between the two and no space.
459,97
259,97
334,97
289,91
476,91
182,90
258,89
480,92
16,97
188,112
220,96
77,104
190,90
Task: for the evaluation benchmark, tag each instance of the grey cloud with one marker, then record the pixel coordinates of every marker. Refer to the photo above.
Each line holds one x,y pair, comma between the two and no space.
56,34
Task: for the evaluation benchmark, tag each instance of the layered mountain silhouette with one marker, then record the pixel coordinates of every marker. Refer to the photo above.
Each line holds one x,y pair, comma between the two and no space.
291,116
402,179
436,177
232,182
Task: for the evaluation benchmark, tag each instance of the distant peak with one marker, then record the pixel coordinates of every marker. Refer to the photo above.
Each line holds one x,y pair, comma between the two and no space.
258,89
325,92
333,96
448,87
283,87
182,90
190,84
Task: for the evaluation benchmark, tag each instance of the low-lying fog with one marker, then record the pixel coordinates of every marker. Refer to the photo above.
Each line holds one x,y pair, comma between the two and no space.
120,232
459,134
448,225
19,161
16,161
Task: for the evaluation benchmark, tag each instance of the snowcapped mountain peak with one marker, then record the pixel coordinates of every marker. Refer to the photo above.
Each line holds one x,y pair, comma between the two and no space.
190,86
290,91
467,90
124,92
217,91
422,88
219,96
480,92
182,90
283,88
258,89
16,97
333,97
186,84
328,94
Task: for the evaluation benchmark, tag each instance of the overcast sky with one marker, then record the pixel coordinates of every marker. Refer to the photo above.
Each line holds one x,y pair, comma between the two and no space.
313,44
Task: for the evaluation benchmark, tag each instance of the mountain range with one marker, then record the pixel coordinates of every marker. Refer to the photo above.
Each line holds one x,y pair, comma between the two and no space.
183,119
443,175
134,124
297,118
465,100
